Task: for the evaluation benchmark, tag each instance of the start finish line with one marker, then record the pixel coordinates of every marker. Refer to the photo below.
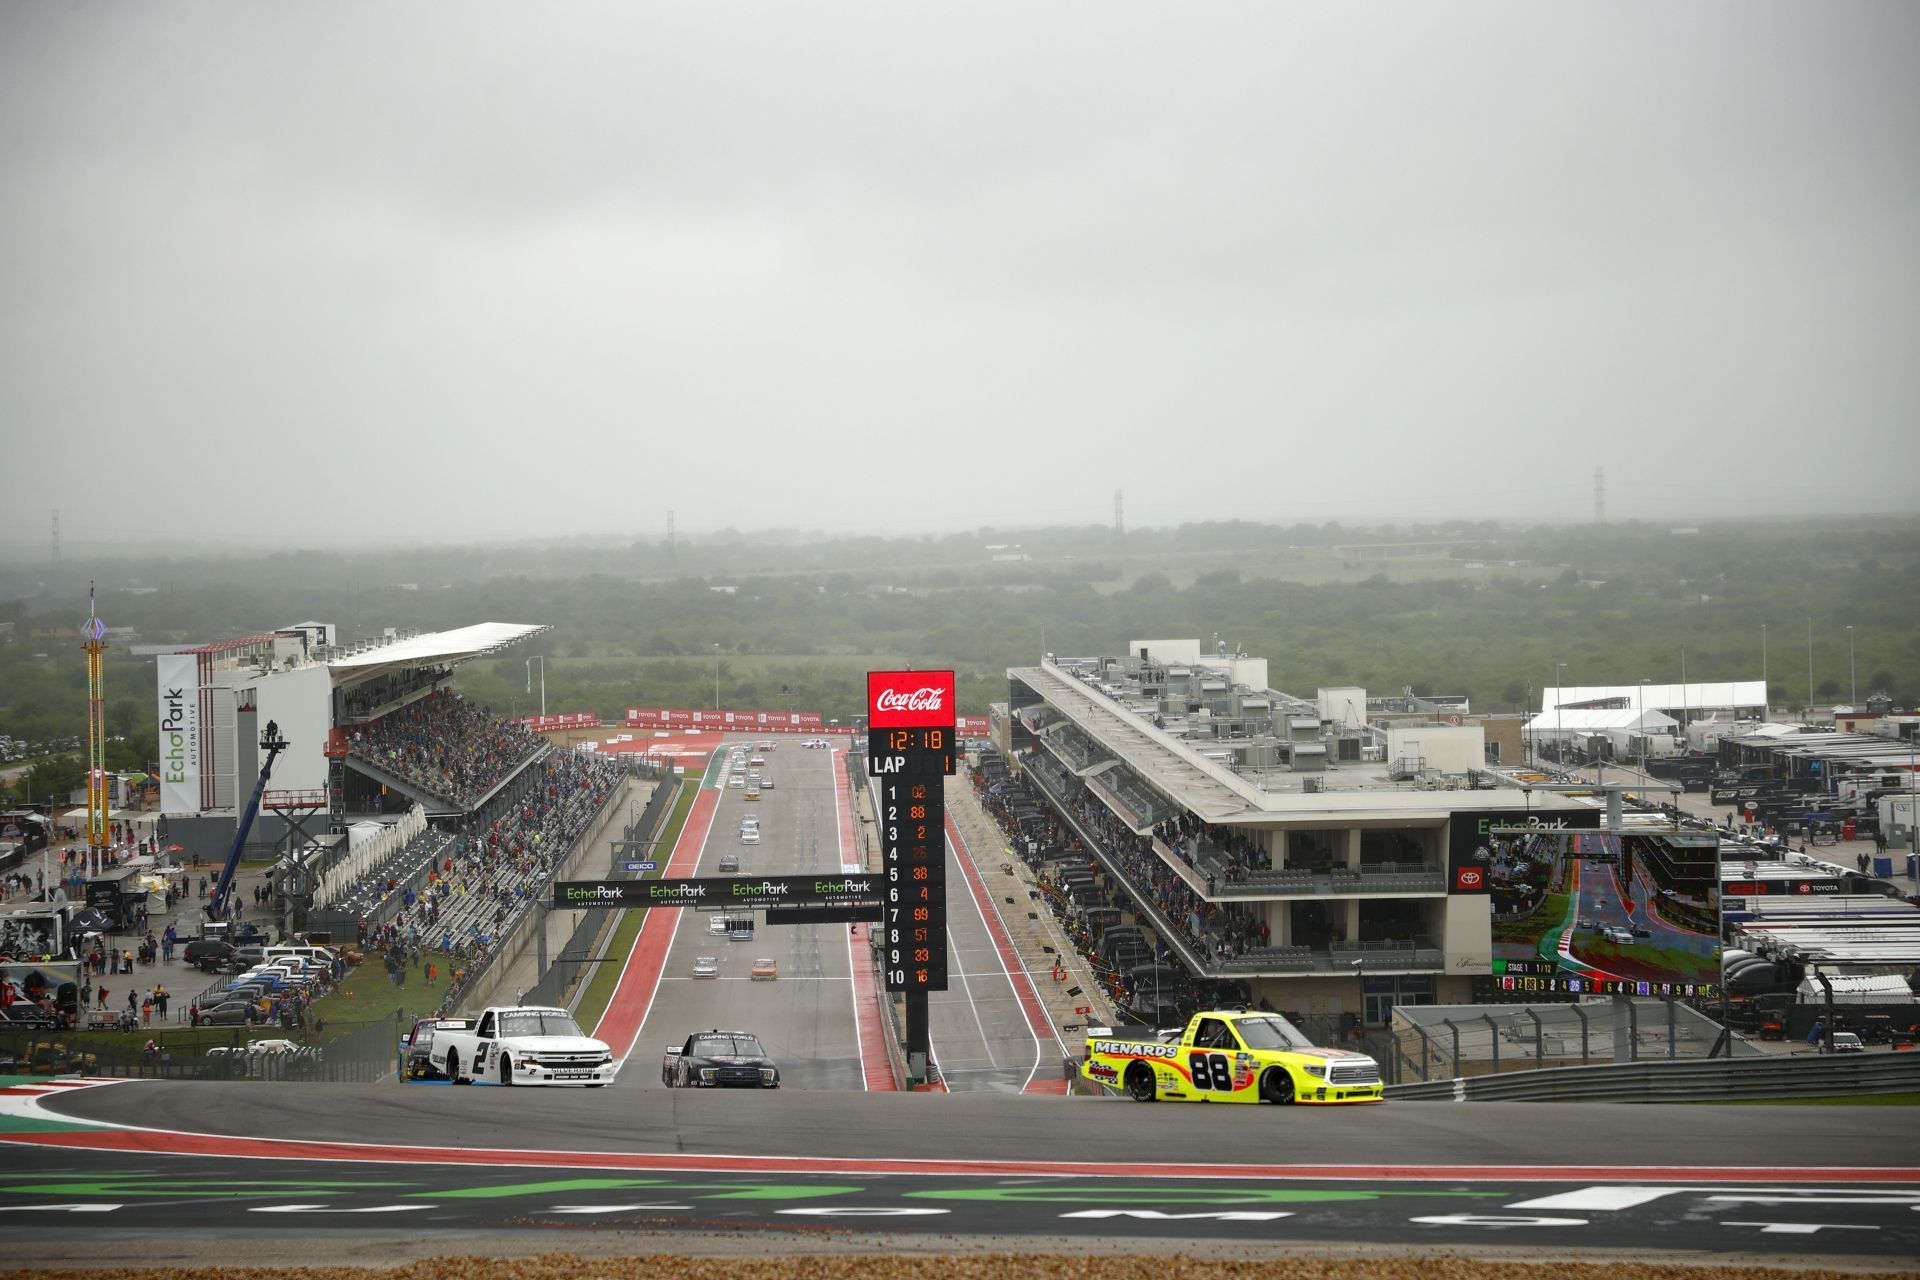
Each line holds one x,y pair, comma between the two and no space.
722,891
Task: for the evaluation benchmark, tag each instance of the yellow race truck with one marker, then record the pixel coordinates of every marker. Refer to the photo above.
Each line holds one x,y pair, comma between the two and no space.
1230,1055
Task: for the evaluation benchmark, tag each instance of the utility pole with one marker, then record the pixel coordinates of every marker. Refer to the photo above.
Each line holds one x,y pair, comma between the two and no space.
1809,668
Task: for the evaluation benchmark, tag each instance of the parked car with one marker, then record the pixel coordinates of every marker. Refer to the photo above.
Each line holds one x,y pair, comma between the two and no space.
706,967
1846,1042
729,864
200,950
765,968
230,1013
766,783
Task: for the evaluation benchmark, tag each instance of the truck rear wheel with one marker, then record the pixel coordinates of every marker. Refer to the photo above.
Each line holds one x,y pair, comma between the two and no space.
1140,1083
1276,1086
453,1068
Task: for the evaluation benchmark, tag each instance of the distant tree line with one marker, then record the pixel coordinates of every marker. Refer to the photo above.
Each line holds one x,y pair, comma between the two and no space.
1471,608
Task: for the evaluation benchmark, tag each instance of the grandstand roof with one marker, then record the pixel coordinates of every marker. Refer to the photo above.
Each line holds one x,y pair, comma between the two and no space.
440,646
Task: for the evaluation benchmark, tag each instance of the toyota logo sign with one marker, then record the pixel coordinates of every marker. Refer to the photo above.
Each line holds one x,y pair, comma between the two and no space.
1468,878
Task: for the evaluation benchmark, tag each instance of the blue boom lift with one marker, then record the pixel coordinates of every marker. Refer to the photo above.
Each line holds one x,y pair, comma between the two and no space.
273,745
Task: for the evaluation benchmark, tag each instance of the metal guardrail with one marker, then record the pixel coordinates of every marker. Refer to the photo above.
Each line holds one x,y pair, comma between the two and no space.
363,1054
1699,1080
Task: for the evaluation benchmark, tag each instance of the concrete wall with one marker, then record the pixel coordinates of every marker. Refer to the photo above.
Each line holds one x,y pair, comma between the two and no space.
1171,652
1346,706
1442,748
1468,937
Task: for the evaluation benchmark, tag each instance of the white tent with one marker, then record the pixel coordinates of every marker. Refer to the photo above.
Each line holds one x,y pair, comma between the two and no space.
1560,723
1695,695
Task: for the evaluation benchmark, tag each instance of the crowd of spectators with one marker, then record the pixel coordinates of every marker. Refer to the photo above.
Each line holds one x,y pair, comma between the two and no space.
1189,838
365,699
1218,930
502,858
447,745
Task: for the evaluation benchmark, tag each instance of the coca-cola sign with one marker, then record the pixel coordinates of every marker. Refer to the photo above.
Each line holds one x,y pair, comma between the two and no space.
909,699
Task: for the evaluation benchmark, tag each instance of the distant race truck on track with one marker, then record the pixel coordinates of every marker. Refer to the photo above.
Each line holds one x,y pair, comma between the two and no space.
1229,1055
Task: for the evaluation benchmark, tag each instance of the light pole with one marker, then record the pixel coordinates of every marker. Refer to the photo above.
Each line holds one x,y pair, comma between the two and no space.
1644,732
1763,671
542,658
716,676
1853,683
1559,716
1809,668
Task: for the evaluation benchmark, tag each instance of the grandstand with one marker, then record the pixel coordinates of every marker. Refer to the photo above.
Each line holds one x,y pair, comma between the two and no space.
355,716
407,813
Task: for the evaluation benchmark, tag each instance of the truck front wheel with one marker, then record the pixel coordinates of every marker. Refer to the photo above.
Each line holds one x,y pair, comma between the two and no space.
1140,1083
1276,1086
506,1071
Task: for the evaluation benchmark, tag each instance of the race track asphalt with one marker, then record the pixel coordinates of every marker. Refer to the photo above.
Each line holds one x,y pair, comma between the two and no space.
379,1172
805,1017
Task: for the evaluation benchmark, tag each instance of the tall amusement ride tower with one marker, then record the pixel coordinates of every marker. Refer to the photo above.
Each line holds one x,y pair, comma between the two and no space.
98,844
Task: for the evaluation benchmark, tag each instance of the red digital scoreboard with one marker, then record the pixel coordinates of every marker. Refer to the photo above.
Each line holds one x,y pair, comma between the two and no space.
910,740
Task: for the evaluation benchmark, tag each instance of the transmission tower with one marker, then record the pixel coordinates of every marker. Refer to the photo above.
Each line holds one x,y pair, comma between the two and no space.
1599,495
1119,522
670,572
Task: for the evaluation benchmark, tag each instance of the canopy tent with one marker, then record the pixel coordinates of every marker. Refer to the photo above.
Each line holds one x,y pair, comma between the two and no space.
1695,695
1563,723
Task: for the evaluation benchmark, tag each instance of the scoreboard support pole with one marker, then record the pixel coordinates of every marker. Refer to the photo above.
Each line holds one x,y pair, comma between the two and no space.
919,1037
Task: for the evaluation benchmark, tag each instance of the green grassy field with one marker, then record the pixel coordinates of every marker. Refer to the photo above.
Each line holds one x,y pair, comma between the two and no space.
363,996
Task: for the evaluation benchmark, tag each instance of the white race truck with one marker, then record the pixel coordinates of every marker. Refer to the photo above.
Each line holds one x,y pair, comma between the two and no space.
523,1045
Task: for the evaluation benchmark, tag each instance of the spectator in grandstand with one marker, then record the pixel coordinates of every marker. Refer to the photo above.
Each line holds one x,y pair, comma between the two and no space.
447,745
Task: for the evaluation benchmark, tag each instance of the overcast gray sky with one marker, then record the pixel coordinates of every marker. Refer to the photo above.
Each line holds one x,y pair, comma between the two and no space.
407,271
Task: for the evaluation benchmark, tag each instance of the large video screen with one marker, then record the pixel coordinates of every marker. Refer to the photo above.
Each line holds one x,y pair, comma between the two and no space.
1600,913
